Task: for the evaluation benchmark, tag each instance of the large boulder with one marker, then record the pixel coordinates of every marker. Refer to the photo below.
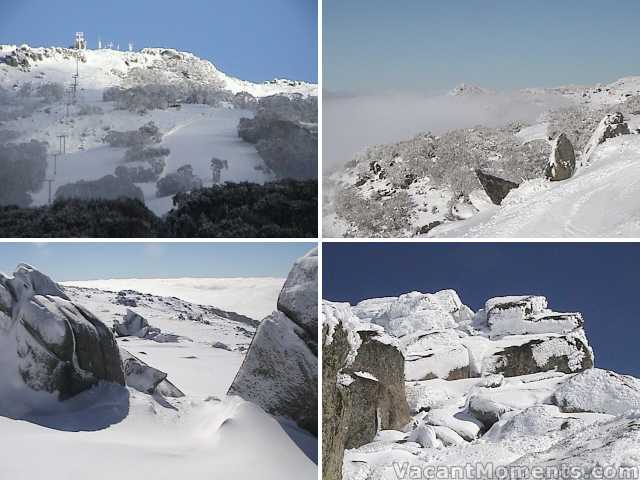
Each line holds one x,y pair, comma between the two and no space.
599,391
562,162
612,125
363,389
497,188
527,314
280,370
298,299
61,348
564,353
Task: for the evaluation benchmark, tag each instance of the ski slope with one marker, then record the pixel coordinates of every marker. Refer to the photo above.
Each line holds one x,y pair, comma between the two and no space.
601,200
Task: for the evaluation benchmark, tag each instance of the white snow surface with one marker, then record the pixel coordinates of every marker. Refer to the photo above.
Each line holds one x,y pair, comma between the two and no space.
115,432
193,133
602,199
255,297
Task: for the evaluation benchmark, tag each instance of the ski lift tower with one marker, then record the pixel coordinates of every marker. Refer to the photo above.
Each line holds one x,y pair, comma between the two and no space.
80,43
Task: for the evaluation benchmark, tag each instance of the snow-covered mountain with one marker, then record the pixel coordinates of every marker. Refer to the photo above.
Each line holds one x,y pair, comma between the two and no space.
198,122
511,385
123,384
410,188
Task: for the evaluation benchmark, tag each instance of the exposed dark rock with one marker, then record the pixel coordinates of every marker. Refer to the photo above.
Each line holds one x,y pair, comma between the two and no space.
612,125
497,188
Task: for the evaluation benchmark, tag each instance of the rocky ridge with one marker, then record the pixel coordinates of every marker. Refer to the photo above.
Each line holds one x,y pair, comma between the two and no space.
502,385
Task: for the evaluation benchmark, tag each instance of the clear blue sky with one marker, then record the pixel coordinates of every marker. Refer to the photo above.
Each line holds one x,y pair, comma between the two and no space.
251,39
94,261
372,45
600,280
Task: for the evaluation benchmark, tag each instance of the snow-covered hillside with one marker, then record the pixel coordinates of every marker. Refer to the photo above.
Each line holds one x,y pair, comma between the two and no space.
225,293
512,385
185,426
407,196
194,132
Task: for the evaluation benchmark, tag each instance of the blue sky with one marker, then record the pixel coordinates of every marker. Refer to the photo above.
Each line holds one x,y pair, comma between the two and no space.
373,45
95,261
251,39
600,280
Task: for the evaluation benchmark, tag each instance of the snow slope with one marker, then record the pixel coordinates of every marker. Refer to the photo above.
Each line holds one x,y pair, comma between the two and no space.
226,293
601,200
113,432
193,133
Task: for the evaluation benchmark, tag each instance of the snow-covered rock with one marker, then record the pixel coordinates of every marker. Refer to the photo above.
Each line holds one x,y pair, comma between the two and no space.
437,355
145,378
599,391
486,410
280,370
54,345
299,296
415,312
518,315
562,162
612,125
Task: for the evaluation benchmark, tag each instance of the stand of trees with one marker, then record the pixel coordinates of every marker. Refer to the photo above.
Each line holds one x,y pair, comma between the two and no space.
280,209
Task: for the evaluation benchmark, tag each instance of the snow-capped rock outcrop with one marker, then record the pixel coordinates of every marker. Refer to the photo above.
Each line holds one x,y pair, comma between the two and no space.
527,391
56,346
280,370
612,125
362,384
135,325
562,162
415,312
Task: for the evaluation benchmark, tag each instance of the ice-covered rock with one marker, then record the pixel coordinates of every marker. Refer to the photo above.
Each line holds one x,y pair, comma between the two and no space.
612,125
145,378
460,421
527,314
414,312
599,391
562,162
299,296
497,188
280,370
60,347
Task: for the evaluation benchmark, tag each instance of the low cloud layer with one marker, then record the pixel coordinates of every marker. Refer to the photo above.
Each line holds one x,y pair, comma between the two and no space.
353,123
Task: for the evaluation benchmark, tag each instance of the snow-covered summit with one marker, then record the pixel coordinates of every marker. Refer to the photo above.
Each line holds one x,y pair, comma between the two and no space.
105,68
